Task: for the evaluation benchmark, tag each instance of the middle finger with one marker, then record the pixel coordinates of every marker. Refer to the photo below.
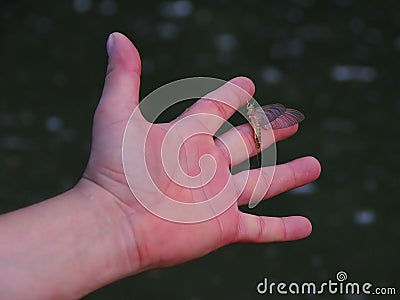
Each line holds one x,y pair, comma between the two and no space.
238,144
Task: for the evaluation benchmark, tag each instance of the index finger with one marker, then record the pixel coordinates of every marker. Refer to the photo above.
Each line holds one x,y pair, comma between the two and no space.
219,105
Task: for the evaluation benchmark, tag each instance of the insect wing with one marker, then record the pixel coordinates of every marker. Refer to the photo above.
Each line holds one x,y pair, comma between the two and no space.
289,118
267,113
279,116
273,111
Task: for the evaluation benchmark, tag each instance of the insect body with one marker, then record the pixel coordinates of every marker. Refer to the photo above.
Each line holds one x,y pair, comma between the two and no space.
275,116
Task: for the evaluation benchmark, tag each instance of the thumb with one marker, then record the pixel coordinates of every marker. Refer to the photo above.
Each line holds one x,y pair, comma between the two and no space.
121,88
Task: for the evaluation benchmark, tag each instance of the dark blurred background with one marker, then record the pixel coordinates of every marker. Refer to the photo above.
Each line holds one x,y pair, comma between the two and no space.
336,61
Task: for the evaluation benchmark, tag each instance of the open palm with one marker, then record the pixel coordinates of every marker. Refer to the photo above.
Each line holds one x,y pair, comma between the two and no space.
189,169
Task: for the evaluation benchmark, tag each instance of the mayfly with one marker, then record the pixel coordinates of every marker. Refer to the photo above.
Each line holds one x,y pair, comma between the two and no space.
272,116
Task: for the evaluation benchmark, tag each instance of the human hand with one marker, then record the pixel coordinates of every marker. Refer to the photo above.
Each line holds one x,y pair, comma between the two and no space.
151,241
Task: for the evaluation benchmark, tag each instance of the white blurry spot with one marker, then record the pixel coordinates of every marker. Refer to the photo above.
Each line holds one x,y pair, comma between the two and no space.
305,189
176,9
54,124
271,75
353,73
225,42
168,31
108,7
364,217
82,6
295,48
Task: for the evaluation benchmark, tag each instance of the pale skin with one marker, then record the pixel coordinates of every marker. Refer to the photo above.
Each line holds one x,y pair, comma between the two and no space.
97,232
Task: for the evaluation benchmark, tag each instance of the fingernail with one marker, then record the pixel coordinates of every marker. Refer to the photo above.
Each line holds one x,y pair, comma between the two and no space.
110,44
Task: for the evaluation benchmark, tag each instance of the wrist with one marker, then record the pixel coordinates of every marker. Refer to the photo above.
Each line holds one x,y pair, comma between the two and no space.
65,247
115,250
